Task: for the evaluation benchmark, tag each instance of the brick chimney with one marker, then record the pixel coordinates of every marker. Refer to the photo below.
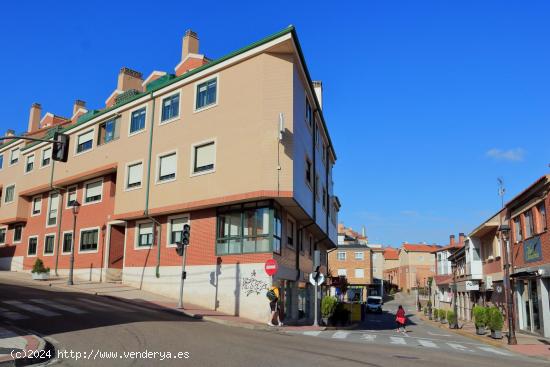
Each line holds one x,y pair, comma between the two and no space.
129,79
461,239
318,87
78,104
190,44
10,132
452,240
34,117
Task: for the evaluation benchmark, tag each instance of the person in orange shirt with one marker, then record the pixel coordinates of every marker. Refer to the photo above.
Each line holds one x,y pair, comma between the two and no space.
273,297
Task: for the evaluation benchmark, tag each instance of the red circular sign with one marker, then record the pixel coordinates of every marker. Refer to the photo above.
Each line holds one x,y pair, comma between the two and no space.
271,267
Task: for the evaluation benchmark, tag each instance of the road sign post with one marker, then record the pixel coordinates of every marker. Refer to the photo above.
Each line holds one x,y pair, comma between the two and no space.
316,265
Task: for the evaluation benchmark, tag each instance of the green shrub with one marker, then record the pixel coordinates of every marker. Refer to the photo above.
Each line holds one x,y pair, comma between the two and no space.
442,315
328,306
429,304
451,317
496,321
38,267
392,291
425,309
480,316
341,314
434,313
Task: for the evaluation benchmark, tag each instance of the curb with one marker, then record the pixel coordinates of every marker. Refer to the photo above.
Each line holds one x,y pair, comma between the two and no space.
34,343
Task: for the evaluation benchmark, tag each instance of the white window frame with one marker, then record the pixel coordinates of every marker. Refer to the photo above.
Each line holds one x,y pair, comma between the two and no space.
127,175
161,105
100,141
5,235
49,209
32,206
80,237
157,170
362,257
42,157
169,227
13,237
63,239
11,154
83,132
362,272
136,235
67,206
146,106
204,80
192,172
342,272
44,247
25,172
5,197
85,190
341,253
37,243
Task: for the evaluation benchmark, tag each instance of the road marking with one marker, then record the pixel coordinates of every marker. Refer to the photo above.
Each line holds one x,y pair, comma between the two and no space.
312,333
436,334
496,351
31,308
104,305
5,333
396,340
368,337
58,306
12,315
458,347
340,335
427,343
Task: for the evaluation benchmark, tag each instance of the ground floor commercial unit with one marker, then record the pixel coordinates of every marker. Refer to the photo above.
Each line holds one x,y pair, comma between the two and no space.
224,262
532,300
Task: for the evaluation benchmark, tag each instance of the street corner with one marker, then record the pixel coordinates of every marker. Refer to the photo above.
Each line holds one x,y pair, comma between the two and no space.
19,347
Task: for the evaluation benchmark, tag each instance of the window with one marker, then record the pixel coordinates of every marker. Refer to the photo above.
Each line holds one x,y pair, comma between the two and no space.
134,175
46,157
85,141
205,155
529,224
170,107
341,255
53,205
3,235
1,161
88,240
49,244
542,217
517,229
93,192
108,131
342,272
290,233
67,242
324,198
33,244
359,256
10,194
309,114
17,233
359,273
137,120
167,167
206,93
145,234
309,179
71,196
250,229
176,228
14,156
30,163
36,205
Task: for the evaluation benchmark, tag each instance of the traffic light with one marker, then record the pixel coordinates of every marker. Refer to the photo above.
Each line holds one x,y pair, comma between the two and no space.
60,151
184,241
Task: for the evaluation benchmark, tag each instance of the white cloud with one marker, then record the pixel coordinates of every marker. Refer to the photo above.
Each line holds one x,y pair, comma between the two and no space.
515,154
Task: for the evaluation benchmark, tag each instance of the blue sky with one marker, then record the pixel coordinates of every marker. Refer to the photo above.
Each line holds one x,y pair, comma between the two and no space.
427,102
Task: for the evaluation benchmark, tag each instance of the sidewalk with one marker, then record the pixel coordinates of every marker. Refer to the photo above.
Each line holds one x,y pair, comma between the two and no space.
15,342
146,299
528,345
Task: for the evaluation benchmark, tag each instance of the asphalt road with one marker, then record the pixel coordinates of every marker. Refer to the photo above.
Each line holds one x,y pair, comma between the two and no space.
96,327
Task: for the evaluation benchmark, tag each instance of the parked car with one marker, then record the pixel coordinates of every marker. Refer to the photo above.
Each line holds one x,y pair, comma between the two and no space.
374,304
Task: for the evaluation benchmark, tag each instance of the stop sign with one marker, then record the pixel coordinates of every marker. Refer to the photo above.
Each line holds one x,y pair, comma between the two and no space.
271,267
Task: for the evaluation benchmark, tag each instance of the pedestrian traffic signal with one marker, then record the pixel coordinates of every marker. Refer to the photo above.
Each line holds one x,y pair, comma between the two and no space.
60,151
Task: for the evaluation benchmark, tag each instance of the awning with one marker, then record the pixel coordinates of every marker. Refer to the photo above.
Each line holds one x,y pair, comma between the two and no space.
525,274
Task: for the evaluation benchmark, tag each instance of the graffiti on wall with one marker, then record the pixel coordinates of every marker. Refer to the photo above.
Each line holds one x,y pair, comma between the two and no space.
253,285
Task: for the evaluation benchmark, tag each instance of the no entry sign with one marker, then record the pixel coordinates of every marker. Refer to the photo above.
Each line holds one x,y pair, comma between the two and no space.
271,267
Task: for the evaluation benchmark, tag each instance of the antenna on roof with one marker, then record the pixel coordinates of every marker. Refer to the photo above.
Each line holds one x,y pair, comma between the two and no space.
501,190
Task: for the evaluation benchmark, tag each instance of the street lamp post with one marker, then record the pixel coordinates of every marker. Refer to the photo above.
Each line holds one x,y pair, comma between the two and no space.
75,209
454,266
504,230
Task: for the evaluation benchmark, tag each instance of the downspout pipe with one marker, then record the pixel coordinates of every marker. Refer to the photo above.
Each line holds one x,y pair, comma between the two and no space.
59,215
148,186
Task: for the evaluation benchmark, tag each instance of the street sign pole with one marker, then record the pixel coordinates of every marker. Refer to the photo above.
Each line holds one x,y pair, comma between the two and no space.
316,263
183,276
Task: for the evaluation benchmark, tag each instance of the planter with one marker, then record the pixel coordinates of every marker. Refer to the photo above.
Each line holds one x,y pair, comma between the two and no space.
41,276
325,321
496,334
444,321
453,325
480,330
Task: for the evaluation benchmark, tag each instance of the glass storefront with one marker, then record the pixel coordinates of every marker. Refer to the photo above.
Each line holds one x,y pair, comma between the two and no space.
529,319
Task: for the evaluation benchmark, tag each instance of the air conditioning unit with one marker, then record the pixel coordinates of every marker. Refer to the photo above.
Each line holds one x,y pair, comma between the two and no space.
489,282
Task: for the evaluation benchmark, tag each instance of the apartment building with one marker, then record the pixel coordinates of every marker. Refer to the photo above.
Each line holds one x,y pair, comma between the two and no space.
414,267
353,261
237,147
442,285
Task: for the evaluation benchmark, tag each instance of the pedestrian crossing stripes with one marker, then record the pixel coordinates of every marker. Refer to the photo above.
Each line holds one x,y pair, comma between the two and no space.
368,337
32,308
496,351
11,315
340,335
58,306
458,347
312,333
427,343
396,340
